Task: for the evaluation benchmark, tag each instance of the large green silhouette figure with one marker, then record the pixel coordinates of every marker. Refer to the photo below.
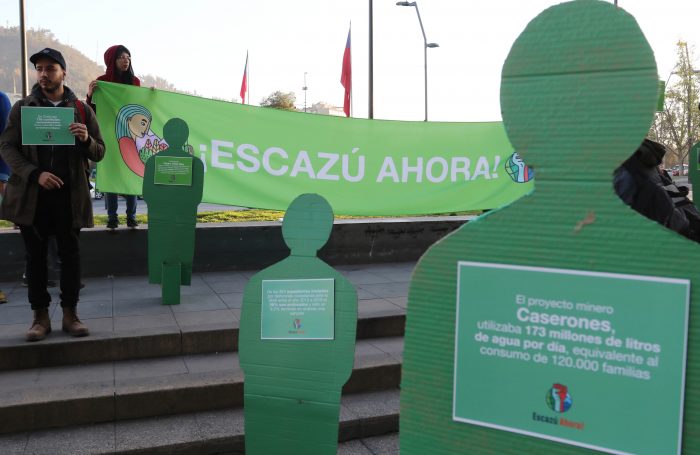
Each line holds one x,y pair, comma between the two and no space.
578,94
172,214
292,387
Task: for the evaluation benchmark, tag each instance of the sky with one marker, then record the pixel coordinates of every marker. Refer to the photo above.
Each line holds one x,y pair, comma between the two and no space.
201,46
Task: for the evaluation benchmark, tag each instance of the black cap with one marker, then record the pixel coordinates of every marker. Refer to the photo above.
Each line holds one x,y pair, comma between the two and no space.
53,54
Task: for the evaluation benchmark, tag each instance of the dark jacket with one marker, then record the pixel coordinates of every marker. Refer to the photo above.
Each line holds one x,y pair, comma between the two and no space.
4,112
642,186
111,74
20,201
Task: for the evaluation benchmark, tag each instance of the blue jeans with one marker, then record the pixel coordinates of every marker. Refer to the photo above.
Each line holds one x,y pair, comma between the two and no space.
112,201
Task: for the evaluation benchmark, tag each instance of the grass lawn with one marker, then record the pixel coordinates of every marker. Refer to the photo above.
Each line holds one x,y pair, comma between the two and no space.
229,216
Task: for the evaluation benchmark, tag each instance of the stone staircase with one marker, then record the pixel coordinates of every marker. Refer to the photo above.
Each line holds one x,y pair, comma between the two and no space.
164,387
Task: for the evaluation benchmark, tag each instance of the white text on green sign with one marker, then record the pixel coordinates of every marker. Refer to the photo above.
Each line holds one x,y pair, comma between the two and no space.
298,309
572,356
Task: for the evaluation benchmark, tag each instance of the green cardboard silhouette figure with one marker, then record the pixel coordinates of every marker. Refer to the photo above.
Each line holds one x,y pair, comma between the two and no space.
172,188
293,386
578,94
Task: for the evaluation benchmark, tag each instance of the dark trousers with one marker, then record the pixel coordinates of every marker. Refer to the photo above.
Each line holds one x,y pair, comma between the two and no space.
53,263
112,204
53,217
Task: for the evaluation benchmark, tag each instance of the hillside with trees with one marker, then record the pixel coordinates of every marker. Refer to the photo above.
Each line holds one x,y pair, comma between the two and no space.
81,69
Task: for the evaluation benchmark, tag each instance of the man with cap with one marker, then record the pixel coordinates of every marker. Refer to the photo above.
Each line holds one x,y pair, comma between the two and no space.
48,193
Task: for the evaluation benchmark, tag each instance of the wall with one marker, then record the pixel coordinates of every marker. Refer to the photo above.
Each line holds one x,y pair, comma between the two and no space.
245,246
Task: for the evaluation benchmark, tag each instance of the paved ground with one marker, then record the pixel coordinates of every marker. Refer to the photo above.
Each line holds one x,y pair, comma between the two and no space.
118,306
115,304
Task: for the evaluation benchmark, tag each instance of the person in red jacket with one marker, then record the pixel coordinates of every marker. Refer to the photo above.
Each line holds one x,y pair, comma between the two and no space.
119,70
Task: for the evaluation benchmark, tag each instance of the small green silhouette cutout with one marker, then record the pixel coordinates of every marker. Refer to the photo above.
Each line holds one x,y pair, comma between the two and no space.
172,217
292,387
578,95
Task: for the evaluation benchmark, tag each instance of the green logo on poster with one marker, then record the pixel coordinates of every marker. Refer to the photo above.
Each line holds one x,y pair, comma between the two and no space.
518,170
297,324
558,398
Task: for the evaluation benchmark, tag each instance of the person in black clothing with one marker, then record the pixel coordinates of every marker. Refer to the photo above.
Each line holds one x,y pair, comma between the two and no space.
48,194
649,190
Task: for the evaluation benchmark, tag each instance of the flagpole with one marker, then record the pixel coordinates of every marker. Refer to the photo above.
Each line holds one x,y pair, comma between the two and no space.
248,75
23,50
245,83
346,74
370,113
351,90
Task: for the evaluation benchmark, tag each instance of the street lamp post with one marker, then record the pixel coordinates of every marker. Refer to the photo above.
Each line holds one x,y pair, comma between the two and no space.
305,88
426,45
23,49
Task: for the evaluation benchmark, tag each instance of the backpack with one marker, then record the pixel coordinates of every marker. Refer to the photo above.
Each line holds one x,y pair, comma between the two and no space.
655,196
679,196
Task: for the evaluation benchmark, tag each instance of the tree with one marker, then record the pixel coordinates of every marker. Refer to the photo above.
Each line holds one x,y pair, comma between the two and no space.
158,82
280,100
678,126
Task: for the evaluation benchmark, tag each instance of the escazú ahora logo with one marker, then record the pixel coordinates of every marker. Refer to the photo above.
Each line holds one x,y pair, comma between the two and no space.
558,398
518,170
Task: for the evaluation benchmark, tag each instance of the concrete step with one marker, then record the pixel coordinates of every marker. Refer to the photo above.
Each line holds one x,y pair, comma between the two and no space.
127,320
369,423
52,397
113,342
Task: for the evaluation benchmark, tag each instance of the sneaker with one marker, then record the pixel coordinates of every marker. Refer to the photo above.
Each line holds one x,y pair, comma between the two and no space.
3,297
132,224
112,224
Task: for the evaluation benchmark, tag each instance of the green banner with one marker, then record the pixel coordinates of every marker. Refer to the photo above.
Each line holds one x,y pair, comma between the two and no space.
298,309
591,359
264,158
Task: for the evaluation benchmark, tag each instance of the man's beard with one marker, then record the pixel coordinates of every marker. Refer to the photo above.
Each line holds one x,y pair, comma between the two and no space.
50,87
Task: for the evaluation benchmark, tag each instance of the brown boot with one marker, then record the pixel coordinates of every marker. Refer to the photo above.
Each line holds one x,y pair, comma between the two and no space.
41,325
73,325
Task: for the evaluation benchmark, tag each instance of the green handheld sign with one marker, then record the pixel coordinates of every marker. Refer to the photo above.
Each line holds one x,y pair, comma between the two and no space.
47,125
576,341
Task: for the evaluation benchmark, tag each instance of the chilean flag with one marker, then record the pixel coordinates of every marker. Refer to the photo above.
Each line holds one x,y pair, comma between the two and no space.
346,76
244,82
